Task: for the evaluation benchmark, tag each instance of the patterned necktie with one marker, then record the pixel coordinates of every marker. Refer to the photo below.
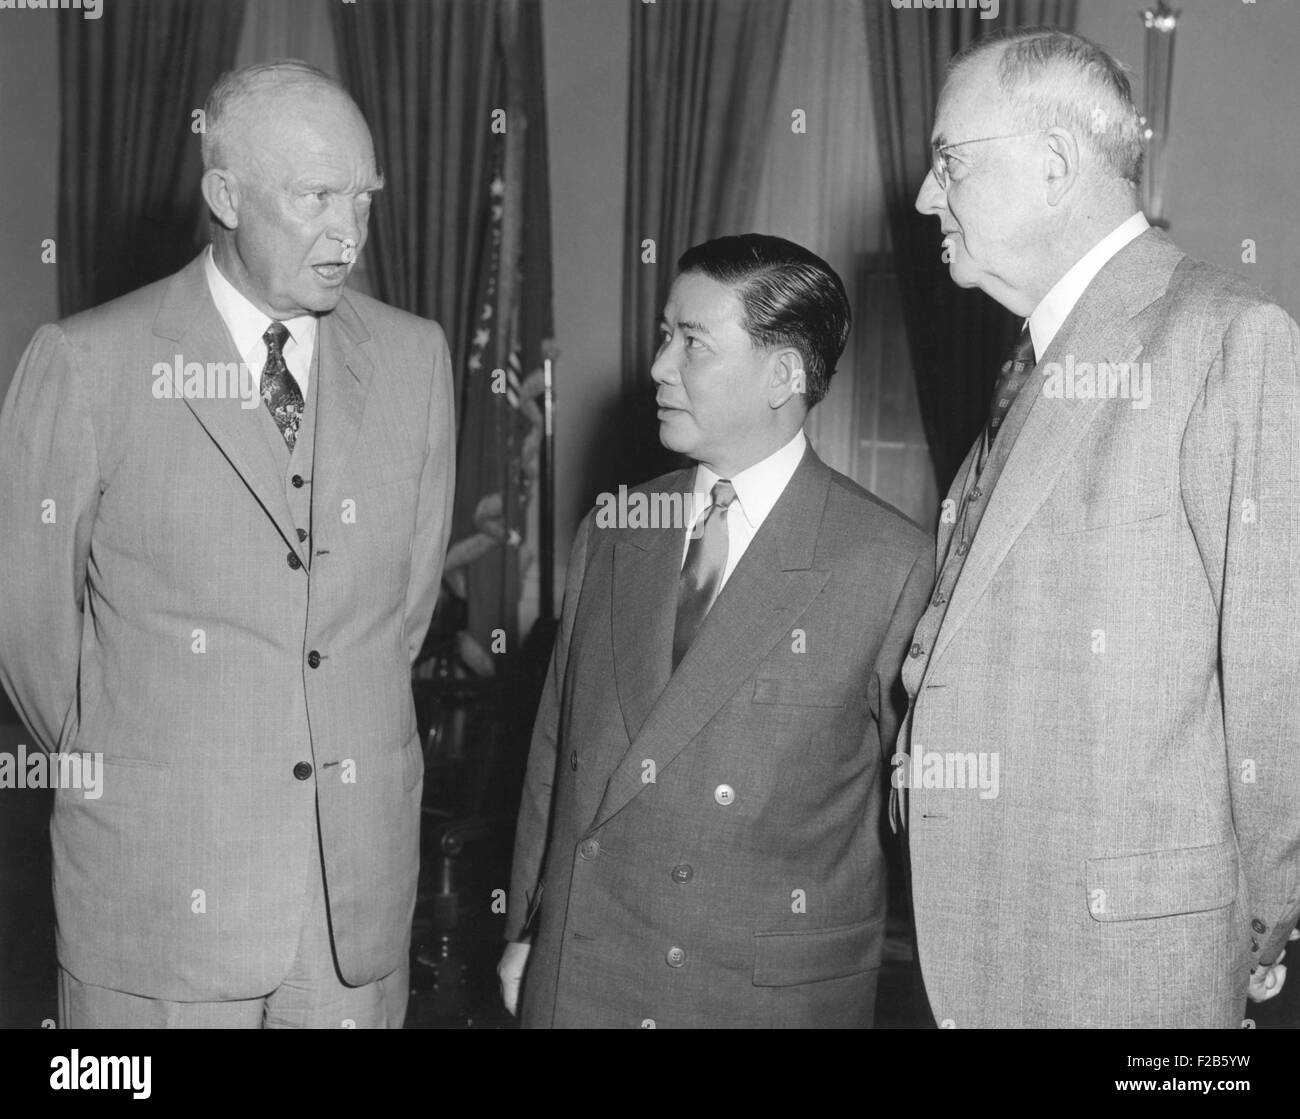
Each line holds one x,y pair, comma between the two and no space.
279,389
1016,370
706,560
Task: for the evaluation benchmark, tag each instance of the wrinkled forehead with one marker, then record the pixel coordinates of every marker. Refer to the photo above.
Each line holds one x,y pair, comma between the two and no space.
972,105
301,117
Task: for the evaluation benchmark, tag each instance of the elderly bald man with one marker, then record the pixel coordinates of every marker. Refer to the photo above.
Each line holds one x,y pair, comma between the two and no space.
224,503
1119,578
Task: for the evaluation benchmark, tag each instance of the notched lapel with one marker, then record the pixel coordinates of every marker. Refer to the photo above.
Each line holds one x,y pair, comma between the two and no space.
345,374
1100,328
189,318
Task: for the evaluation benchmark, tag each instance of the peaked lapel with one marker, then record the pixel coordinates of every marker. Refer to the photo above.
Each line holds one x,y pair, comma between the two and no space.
1099,328
770,588
647,564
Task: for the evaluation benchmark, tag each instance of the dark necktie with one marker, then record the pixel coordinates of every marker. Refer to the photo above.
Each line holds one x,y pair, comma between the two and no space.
279,390
706,560
1016,370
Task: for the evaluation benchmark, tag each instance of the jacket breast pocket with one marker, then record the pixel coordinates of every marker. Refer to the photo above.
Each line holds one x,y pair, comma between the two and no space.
1162,883
786,959
1121,477
800,692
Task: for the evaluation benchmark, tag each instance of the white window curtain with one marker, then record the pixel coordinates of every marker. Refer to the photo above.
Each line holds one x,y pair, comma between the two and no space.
822,188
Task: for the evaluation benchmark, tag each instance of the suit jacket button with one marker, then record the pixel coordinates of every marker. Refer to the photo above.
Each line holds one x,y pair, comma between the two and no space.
1259,926
647,1023
1254,945
297,481
313,659
683,872
963,548
302,534
916,650
590,848
676,956
302,771
724,795
293,561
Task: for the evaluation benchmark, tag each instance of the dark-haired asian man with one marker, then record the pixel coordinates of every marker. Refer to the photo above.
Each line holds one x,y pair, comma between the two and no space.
699,838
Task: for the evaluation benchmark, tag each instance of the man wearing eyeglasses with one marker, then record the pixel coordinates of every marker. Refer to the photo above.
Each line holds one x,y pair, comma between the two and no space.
1119,578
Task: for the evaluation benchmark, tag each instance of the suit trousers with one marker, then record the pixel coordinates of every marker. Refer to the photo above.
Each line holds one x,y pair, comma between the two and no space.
311,996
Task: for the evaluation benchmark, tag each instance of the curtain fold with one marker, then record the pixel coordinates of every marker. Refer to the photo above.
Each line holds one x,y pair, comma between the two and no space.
453,92
957,337
130,211
700,93
822,188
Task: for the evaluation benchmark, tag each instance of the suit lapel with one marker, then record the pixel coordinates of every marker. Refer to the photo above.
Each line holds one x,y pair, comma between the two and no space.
345,376
771,587
647,563
1100,328
189,318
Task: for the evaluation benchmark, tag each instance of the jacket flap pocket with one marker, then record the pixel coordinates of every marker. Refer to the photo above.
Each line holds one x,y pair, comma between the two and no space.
783,959
1162,883
800,691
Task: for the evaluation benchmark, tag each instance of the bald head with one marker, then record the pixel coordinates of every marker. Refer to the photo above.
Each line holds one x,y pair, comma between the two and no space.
288,175
1037,155
241,98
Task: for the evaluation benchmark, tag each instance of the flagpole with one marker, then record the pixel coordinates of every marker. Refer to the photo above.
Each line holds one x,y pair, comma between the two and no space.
546,497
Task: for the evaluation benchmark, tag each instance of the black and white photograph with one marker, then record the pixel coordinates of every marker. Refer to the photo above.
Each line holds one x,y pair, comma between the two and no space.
650,514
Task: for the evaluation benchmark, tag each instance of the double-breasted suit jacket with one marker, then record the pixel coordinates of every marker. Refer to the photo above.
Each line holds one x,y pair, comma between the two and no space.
702,847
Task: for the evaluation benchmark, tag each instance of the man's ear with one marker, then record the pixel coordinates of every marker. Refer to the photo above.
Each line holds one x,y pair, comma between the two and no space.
789,379
1061,164
221,193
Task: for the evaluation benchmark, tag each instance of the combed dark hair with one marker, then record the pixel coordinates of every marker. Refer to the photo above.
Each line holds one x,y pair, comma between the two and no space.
1055,78
788,297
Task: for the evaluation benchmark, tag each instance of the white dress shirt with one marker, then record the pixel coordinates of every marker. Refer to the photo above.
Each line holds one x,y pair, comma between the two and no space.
247,325
1056,305
757,489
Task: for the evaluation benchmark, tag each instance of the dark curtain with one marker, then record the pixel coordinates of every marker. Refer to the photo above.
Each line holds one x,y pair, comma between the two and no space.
701,83
130,210
957,336
461,235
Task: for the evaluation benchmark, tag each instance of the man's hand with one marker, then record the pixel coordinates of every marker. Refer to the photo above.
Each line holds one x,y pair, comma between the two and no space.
511,973
1265,982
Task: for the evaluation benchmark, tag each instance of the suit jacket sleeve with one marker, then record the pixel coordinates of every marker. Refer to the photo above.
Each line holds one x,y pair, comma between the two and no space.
889,697
49,494
434,507
1240,473
535,807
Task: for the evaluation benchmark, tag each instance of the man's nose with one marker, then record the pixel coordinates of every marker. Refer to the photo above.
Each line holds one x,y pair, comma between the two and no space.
348,224
931,198
663,370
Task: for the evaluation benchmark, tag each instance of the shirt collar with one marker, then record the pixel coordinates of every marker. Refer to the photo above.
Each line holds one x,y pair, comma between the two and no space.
1057,304
247,323
758,487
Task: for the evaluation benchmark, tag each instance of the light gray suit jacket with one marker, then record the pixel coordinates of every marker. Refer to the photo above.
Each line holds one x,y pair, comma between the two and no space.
187,879
1125,638
712,835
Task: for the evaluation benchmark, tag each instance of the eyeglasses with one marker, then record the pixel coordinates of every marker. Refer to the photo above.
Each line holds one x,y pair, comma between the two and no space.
939,154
